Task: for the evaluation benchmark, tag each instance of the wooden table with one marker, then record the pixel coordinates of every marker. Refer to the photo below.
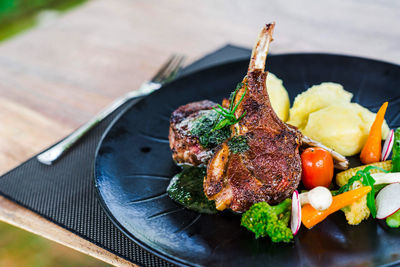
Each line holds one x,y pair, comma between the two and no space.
55,77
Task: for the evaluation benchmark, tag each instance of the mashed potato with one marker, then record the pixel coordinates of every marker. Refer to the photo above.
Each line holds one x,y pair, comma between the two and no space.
339,127
325,114
278,96
314,99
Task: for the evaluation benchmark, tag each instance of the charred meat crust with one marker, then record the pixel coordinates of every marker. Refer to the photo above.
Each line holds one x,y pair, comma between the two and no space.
270,170
190,109
185,147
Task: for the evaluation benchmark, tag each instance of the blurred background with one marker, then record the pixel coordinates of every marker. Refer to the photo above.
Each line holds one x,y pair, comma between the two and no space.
21,248
18,247
19,15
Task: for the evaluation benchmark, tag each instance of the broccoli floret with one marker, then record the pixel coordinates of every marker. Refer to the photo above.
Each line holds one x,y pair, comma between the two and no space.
393,220
265,220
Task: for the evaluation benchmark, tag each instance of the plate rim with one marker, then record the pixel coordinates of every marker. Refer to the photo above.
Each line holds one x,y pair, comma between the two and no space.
104,206
110,215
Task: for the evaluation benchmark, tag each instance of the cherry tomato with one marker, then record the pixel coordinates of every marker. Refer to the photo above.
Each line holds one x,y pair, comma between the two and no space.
317,167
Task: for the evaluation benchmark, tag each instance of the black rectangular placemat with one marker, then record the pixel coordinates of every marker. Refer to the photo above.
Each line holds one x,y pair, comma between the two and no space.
64,192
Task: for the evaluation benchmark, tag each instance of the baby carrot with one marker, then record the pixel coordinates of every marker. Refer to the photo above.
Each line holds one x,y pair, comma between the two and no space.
311,216
372,149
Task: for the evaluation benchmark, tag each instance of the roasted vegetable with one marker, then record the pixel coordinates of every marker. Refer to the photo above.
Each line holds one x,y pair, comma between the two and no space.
265,220
372,149
310,216
343,177
364,176
186,188
361,209
393,221
358,210
396,152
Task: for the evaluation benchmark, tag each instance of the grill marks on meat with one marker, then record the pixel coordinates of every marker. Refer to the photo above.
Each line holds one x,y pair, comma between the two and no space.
185,147
270,169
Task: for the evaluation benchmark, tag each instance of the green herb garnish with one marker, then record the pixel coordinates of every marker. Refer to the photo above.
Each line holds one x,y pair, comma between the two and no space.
369,181
186,188
238,144
366,179
396,152
202,128
228,115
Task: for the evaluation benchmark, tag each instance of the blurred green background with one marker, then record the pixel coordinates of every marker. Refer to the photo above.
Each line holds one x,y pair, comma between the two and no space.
18,247
19,15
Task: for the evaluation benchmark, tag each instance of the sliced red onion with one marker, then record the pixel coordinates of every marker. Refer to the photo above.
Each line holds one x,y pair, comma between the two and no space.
387,147
295,222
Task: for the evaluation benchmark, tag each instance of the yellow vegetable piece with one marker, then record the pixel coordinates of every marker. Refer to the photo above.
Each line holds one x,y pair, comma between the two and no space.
278,96
357,211
343,177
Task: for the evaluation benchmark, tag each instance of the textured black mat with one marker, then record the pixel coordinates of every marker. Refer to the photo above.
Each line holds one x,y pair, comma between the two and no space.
64,193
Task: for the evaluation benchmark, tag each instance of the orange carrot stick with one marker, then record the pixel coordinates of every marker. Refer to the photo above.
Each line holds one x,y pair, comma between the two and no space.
311,216
372,149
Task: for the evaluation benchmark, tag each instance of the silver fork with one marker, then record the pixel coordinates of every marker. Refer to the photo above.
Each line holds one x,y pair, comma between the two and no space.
166,73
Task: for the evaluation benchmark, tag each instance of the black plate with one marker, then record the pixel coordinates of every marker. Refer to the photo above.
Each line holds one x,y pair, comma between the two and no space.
133,167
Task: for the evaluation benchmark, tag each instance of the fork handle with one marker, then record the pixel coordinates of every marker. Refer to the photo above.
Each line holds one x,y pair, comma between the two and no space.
52,154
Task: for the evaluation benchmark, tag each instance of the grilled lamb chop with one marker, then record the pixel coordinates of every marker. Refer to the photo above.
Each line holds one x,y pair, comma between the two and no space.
270,169
186,148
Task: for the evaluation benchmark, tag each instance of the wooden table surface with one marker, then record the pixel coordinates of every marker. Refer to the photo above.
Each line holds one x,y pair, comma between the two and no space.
55,77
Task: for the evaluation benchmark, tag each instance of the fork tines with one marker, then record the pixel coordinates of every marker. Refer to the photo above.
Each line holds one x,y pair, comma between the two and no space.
169,69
